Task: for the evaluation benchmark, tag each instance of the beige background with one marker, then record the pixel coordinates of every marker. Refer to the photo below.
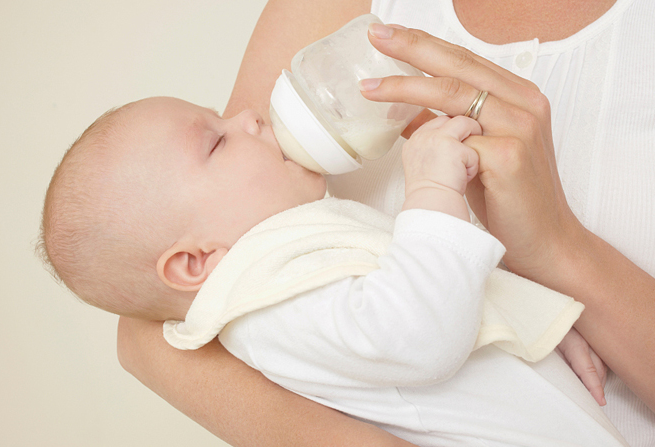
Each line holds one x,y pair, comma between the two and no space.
62,64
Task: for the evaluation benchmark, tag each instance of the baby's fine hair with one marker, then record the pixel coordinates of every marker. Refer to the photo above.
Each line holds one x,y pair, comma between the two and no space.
92,239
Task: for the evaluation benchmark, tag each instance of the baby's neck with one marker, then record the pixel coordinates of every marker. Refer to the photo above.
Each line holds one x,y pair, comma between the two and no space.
172,305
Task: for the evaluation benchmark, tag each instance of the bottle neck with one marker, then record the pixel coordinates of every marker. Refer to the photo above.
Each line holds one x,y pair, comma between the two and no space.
314,109
304,135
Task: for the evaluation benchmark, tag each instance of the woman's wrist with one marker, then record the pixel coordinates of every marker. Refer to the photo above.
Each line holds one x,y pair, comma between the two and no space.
547,248
619,299
573,259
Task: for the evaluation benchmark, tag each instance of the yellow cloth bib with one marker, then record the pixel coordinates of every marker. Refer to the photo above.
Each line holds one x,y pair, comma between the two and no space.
324,241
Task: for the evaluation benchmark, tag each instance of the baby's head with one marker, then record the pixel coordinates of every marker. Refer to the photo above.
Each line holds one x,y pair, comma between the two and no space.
148,200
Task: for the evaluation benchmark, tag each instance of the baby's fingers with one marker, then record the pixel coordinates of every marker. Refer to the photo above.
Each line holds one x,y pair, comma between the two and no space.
459,127
422,118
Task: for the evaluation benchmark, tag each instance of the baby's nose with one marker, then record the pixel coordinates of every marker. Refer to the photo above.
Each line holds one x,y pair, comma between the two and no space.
251,121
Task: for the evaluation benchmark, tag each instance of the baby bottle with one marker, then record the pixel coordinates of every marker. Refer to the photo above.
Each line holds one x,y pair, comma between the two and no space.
318,114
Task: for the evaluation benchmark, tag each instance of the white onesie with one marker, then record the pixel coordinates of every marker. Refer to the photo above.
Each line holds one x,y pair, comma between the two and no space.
393,348
394,341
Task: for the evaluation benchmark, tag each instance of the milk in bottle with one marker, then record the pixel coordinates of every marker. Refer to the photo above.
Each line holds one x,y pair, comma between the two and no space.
319,116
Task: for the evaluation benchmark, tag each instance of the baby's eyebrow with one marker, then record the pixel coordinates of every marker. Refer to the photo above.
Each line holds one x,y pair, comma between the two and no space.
193,132
196,125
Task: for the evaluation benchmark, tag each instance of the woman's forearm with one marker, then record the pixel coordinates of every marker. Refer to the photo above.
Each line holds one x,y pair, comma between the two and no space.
233,401
619,314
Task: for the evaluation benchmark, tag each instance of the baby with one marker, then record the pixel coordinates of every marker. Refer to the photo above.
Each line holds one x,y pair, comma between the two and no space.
328,298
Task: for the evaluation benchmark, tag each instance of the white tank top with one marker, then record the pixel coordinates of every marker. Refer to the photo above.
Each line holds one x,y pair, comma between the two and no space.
601,86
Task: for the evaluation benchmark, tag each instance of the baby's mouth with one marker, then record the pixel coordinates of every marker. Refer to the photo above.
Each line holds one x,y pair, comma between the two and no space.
277,143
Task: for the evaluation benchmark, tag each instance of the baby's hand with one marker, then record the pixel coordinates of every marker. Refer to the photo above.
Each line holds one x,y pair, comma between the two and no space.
591,370
438,165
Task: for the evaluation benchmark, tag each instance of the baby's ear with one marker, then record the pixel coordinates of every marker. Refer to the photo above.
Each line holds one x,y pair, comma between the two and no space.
185,267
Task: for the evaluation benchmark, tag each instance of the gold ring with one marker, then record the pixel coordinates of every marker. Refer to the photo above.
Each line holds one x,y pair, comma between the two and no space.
475,108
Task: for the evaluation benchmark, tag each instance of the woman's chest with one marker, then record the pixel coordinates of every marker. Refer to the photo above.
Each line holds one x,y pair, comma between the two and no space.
501,22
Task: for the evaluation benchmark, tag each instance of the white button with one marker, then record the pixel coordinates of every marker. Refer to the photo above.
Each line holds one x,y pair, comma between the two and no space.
524,59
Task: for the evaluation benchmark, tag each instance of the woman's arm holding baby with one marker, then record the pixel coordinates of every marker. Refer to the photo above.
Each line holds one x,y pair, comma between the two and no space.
210,385
233,401
285,27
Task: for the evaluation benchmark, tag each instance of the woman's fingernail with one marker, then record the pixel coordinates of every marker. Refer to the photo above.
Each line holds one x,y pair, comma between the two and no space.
380,31
369,84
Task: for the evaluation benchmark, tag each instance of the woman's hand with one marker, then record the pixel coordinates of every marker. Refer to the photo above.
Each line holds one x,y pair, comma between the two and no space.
585,363
518,194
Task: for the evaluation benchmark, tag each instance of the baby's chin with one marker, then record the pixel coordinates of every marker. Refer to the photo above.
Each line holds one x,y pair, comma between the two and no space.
311,182
298,167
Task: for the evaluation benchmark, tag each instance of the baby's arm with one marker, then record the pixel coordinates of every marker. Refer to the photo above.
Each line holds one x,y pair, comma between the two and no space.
438,165
412,322
437,168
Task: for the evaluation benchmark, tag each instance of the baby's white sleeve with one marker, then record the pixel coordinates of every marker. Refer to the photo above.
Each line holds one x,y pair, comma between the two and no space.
412,322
